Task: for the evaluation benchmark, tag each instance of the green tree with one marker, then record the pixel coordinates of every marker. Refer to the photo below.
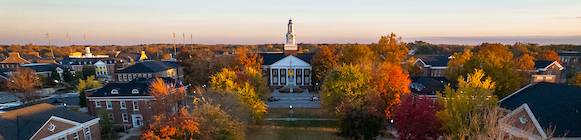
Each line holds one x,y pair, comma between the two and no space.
473,96
88,70
390,49
217,124
247,85
347,84
106,123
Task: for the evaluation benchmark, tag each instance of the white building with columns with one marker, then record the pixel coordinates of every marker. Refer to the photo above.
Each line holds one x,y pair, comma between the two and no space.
288,68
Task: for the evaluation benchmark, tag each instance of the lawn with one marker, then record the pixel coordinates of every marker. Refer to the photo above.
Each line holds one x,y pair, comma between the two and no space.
299,113
263,132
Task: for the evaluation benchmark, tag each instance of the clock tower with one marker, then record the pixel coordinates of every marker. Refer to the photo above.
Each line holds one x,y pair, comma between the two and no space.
290,46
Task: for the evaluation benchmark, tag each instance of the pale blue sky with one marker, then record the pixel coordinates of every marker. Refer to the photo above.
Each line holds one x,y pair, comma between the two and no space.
264,21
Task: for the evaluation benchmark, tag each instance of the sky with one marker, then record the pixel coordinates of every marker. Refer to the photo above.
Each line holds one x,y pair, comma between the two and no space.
128,22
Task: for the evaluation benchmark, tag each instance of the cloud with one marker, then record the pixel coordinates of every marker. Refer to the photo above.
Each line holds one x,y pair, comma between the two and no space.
579,17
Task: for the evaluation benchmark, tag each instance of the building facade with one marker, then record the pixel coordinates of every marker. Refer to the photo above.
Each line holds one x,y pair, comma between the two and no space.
127,104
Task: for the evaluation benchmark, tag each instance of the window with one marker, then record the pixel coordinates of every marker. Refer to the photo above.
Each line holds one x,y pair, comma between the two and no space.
111,116
135,106
114,91
88,133
123,105
109,105
63,138
97,104
125,118
135,91
76,136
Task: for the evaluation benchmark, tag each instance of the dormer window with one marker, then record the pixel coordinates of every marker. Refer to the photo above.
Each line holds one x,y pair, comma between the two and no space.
114,91
135,91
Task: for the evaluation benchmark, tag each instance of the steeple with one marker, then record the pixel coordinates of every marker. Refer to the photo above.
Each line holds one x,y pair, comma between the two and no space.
290,45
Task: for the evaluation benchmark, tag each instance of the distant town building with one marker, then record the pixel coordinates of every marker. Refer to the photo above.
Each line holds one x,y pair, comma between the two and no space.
538,109
45,121
288,68
104,66
432,65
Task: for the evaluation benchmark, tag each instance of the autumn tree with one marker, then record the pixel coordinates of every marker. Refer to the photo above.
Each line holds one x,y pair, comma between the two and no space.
525,62
473,96
217,124
167,96
89,83
247,85
548,55
181,125
390,49
198,66
415,118
25,82
456,66
247,58
392,82
325,60
356,54
576,80
497,61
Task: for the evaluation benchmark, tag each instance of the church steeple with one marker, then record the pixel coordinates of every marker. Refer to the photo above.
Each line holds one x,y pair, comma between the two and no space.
290,45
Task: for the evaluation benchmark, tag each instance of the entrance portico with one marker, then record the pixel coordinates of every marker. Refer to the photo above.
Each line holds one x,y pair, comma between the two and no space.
290,71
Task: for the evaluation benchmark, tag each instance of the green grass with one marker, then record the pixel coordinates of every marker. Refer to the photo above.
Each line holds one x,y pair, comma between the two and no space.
286,133
300,113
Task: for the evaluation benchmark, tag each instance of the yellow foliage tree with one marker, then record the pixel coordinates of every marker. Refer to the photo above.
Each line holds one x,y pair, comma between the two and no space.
25,81
473,96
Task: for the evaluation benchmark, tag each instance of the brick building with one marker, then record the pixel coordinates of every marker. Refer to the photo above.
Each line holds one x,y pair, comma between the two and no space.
45,121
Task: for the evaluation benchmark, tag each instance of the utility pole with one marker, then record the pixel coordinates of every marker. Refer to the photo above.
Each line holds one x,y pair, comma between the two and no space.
192,38
49,45
174,45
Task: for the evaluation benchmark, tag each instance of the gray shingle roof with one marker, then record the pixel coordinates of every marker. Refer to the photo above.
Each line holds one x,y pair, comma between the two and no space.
435,60
539,64
557,105
30,119
271,58
125,89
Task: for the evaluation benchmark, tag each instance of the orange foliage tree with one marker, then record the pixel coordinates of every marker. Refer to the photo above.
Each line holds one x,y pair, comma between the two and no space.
25,81
323,62
525,62
180,125
548,55
167,96
246,58
392,82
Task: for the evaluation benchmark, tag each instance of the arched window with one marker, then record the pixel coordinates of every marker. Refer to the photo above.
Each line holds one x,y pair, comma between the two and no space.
135,91
114,91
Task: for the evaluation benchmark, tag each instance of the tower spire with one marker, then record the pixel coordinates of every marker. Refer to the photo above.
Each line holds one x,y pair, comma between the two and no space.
290,46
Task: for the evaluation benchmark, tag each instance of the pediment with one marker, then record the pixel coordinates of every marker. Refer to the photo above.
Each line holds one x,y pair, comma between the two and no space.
290,61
